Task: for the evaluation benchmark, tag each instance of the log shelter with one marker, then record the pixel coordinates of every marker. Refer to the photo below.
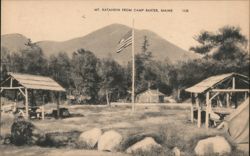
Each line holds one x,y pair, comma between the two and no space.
214,88
24,83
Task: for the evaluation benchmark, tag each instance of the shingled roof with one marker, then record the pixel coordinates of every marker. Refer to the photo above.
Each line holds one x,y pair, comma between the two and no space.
212,82
152,92
36,82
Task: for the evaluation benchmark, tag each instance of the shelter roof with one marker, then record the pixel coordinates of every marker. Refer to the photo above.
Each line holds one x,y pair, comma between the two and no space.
152,92
212,81
36,82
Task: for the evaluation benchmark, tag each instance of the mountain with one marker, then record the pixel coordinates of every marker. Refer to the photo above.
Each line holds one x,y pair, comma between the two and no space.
13,42
103,43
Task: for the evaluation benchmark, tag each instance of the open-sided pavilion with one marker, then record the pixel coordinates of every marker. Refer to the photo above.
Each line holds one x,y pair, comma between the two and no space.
204,92
24,83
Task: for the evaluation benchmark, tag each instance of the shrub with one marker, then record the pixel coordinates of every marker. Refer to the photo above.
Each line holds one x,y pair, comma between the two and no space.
153,152
60,139
21,132
83,145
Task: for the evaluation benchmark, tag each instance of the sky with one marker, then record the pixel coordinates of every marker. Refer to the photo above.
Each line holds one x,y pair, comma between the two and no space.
61,20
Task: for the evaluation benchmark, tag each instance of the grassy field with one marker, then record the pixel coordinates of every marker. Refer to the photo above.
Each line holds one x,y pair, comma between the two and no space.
38,151
171,127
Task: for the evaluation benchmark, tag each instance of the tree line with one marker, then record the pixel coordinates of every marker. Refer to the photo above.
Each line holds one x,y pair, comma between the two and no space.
102,80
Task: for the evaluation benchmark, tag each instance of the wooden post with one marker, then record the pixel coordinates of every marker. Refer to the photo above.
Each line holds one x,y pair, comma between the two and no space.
199,117
26,103
0,117
246,95
192,113
11,82
192,109
233,83
178,94
58,105
228,99
107,98
207,109
15,102
199,110
43,116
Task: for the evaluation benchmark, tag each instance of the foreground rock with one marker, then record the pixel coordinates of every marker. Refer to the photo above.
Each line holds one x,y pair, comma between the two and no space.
176,151
109,141
213,145
90,137
144,145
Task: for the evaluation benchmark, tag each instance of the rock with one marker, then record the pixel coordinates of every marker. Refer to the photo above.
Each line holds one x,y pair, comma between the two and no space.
90,137
109,141
212,145
144,145
176,151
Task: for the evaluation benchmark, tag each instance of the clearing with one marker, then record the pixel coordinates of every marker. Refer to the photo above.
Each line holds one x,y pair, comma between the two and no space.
170,126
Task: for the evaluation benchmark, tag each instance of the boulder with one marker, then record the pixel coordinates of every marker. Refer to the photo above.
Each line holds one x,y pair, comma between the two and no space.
90,137
144,145
176,151
213,145
109,141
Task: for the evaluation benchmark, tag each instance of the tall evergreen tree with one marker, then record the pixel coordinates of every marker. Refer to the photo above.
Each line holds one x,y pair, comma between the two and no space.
84,74
112,81
226,44
60,69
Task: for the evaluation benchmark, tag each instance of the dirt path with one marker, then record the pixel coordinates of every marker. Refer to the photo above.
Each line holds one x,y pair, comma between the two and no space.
38,151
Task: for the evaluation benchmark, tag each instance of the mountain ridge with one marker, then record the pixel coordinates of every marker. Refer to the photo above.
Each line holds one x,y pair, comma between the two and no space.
103,42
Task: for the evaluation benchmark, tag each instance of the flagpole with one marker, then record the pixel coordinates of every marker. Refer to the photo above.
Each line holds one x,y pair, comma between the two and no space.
133,68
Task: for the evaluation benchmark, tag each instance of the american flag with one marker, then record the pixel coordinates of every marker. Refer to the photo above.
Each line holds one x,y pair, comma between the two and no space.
125,41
